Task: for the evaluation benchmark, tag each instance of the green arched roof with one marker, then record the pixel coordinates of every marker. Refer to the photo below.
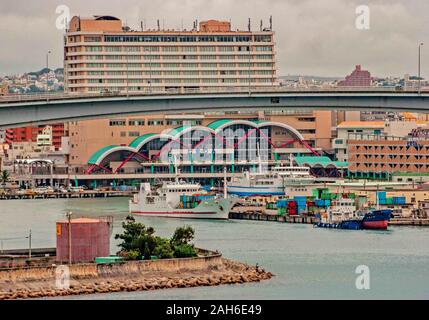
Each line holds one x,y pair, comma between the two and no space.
319,160
216,124
141,140
96,156
137,143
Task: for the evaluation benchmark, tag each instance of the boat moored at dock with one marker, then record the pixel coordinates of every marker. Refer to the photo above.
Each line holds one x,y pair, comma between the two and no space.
179,200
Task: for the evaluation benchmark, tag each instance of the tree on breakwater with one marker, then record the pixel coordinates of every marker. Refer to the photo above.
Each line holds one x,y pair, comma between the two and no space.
140,242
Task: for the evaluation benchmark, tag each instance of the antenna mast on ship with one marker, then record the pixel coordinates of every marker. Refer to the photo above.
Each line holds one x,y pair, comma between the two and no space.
259,158
225,181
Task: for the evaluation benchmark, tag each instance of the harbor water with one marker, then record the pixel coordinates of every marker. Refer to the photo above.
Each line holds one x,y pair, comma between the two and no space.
308,263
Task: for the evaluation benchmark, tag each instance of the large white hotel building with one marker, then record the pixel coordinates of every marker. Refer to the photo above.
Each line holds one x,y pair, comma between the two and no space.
101,54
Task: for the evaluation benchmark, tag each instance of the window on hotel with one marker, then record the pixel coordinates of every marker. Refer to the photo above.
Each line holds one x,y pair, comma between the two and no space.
261,38
171,49
208,49
132,49
151,49
92,39
190,65
112,49
263,48
93,49
226,49
134,134
189,49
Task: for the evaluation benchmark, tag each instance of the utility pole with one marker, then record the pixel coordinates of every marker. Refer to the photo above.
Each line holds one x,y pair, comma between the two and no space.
29,245
420,47
68,215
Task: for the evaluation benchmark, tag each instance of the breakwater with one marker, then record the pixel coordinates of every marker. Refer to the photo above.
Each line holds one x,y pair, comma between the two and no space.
208,269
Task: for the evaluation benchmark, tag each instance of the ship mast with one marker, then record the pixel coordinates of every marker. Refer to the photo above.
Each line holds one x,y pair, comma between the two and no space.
225,187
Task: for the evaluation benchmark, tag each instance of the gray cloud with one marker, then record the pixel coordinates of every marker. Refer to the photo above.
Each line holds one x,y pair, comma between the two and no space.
313,37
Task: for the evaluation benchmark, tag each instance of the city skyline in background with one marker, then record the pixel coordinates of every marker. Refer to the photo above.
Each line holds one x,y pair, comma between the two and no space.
305,45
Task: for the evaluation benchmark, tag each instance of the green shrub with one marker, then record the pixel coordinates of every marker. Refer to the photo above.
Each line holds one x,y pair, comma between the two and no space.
163,249
184,251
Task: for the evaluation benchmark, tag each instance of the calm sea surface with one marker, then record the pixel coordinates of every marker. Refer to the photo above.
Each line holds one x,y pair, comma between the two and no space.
308,263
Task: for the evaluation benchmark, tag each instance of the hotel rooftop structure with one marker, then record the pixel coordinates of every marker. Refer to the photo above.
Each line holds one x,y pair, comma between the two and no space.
103,55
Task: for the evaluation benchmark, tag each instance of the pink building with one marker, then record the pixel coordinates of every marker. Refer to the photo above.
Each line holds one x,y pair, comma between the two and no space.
358,78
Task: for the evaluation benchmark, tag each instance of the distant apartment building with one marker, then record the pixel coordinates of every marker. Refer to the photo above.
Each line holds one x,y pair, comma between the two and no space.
414,83
358,78
4,88
29,133
101,54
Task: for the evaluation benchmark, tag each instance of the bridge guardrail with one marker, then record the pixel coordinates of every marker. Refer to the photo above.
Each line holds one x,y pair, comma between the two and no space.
210,90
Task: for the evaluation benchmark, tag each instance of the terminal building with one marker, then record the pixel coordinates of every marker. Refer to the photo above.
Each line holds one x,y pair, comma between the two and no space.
204,152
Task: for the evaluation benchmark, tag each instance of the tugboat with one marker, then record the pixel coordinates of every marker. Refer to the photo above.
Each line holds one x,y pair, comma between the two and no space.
377,219
343,215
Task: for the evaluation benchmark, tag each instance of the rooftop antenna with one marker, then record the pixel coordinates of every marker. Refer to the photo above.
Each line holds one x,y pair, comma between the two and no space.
271,23
248,25
141,25
196,24
163,24
261,26
159,27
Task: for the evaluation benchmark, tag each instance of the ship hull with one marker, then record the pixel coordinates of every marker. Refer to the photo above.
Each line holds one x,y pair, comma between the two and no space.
376,225
255,191
212,209
377,220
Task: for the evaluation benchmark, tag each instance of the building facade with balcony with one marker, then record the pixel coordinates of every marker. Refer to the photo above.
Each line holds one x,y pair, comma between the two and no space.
377,156
344,129
103,55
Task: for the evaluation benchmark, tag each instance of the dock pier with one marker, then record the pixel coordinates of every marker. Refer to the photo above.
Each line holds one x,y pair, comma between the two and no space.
259,216
68,195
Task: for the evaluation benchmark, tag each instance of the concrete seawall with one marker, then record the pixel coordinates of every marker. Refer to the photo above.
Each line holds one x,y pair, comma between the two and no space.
205,270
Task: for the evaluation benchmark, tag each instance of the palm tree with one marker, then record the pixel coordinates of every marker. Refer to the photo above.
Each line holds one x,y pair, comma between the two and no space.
4,177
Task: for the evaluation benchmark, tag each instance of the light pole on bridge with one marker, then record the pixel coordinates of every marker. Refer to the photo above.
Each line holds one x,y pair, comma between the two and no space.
420,86
47,67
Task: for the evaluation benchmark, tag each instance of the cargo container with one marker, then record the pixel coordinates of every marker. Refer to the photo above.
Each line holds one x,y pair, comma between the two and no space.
90,238
281,211
399,200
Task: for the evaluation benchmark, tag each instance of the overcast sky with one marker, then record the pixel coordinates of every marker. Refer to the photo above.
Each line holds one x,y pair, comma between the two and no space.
313,37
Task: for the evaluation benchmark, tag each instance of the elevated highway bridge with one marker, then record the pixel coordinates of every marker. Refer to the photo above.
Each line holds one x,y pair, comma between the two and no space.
20,110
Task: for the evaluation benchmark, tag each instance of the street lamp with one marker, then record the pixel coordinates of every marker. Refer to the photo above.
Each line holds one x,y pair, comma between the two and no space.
420,47
47,67
68,215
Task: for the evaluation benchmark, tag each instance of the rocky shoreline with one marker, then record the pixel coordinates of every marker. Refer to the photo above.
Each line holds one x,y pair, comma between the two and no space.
224,272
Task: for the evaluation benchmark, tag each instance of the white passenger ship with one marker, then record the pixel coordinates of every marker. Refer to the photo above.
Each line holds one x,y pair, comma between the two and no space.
179,200
275,182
